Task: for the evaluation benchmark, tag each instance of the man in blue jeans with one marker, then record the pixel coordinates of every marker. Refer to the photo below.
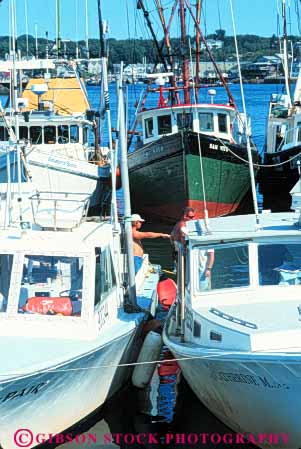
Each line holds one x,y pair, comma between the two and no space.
138,236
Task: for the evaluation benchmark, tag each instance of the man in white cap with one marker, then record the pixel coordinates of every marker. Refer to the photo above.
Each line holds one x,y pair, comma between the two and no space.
138,236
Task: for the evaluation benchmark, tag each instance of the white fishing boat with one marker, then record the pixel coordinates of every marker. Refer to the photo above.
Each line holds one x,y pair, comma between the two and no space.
71,307
237,337
54,125
64,326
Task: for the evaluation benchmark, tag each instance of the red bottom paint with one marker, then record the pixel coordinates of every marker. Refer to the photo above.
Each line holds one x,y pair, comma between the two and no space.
172,212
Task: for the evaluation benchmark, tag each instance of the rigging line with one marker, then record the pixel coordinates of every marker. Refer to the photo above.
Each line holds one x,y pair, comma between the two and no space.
252,176
200,155
254,163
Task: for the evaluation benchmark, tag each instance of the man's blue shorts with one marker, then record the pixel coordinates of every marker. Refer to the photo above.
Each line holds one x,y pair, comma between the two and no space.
138,263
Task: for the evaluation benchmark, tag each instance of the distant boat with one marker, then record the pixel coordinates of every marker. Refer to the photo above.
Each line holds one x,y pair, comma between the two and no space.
55,127
186,147
282,150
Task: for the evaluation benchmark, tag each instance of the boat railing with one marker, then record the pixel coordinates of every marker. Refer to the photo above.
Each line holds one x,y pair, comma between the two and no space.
59,210
293,136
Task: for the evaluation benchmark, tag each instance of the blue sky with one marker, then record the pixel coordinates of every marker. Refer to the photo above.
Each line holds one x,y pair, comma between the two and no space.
252,17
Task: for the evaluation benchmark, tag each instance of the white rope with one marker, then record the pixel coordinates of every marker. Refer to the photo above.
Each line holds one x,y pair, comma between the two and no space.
157,362
255,164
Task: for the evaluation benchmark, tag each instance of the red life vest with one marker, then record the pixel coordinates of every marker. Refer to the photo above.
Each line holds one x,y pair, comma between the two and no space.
45,304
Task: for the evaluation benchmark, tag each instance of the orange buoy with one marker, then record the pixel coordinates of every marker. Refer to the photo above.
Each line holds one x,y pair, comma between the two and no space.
167,291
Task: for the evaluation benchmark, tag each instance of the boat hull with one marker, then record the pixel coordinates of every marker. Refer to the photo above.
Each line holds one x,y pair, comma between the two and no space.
51,401
280,179
255,396
55,173
166,176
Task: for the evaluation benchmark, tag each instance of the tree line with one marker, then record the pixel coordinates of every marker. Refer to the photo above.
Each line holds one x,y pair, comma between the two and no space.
133,51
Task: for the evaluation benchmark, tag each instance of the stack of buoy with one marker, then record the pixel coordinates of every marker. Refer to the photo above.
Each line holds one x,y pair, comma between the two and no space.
152,345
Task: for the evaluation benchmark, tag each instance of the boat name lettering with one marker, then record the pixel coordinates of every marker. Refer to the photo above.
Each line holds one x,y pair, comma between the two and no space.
154,150
188,318
65,163
33,389
214,146
102,315
250,379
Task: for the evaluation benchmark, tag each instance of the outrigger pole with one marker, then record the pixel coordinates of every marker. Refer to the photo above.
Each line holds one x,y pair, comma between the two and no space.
230,96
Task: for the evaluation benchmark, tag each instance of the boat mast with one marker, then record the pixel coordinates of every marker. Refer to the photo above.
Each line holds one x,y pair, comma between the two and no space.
218,71
140,5
185,62
87,31
285,55
58,26
169,48
197,48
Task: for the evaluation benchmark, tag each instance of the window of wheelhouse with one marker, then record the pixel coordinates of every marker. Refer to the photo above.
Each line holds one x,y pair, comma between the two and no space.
3,134
50,134
105,278
6,262
206,121
74,134
222,123
35,133
279,264
51,285
23,130
63,134
164,124
185,120
223,267
85,134
149,127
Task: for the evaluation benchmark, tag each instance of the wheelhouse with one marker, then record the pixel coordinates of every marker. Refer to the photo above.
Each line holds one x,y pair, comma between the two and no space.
49,130
60,291
212,120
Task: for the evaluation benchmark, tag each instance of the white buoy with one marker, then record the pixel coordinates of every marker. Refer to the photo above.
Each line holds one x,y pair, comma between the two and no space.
150,350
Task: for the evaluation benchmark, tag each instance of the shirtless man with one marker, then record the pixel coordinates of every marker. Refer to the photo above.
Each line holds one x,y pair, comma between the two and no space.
138,236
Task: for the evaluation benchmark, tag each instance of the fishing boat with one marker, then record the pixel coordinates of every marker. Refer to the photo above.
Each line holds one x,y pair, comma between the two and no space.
237,340
188,147
283,137
71,311
54,124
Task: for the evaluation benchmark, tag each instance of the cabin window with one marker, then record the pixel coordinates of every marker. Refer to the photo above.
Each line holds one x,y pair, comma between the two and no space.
23,130
149,127
6,262
74,134
3,134
35,133
299,132
164,124
50,134
51,285
222,123
206,121
105,279
229,267
214,336
185,121
63,134
196,329
279,264
85,135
